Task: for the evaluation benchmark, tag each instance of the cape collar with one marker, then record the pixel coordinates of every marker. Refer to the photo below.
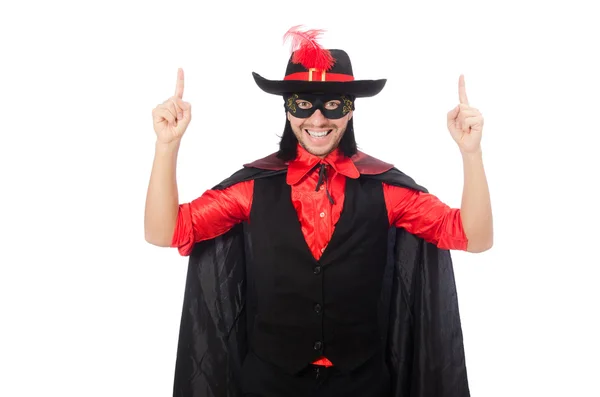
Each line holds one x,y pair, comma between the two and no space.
353,167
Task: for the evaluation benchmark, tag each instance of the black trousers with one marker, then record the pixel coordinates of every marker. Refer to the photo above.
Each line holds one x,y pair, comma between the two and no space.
263,379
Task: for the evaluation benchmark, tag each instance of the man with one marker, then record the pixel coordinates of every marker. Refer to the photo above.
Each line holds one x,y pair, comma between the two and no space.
318,270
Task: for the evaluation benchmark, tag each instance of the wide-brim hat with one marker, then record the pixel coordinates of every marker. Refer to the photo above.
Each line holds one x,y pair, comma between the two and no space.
312,69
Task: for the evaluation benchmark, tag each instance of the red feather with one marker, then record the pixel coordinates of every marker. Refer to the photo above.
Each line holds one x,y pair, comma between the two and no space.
306,50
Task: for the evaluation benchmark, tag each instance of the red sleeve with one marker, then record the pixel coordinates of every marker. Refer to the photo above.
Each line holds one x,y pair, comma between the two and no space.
424,215
211,215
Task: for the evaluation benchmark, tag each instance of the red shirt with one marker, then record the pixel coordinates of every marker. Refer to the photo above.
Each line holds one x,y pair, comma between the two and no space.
217,211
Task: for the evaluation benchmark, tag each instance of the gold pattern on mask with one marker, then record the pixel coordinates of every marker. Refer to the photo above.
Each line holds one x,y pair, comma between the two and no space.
347,105
291,103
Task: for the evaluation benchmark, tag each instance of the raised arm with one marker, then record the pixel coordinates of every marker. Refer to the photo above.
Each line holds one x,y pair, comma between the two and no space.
170,120
465,124
466,228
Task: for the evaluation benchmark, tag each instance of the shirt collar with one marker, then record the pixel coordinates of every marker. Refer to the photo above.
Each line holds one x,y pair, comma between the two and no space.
304,162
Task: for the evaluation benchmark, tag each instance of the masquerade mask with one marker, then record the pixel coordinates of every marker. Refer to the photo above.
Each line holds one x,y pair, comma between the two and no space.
332,106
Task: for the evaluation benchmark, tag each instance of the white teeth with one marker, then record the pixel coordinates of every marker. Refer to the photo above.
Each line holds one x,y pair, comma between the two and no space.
317,134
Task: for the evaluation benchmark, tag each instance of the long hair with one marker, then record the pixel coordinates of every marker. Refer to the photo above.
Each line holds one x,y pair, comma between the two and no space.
288,145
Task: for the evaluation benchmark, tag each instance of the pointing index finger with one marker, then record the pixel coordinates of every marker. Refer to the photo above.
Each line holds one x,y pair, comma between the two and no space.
179,86
462,92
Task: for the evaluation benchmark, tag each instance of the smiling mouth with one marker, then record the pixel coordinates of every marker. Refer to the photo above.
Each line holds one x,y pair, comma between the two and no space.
318,134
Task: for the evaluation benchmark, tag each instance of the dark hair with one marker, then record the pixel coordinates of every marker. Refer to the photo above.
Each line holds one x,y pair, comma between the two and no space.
288,145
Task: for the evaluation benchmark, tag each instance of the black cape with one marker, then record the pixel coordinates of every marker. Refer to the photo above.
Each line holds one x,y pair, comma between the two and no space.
418,312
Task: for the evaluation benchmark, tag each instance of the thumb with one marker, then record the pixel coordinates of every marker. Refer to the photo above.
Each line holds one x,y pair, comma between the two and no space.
187,110
453,114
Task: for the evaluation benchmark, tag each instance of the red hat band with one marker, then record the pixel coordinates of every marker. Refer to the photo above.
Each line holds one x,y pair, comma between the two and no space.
319,75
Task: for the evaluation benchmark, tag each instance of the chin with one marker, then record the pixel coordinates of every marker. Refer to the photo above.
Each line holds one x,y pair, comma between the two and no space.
320,147
319,151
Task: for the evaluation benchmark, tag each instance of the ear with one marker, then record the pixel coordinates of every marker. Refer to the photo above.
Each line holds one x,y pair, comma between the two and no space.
287,114
350,114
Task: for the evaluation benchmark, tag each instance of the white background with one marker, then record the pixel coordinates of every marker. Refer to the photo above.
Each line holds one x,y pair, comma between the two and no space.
87,307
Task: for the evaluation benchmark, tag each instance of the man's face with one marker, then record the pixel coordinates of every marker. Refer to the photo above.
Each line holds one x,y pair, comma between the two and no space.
318,134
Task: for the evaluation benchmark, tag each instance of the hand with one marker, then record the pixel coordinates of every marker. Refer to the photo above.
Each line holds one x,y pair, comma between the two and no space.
172,117
465,123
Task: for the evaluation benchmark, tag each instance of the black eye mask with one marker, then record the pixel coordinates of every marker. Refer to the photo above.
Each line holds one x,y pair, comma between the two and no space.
314,102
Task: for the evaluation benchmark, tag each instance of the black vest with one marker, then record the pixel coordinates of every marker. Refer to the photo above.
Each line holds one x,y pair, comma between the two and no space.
306,308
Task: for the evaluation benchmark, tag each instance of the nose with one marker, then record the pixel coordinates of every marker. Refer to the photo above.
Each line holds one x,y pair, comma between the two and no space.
318,119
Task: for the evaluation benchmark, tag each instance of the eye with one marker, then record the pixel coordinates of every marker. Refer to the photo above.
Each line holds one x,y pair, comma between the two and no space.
332,105
304,104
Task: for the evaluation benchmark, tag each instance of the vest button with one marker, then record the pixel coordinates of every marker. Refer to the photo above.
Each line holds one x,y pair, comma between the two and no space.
318,308
318,345
317,270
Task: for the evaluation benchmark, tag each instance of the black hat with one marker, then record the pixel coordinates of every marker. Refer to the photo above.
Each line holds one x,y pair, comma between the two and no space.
316,70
